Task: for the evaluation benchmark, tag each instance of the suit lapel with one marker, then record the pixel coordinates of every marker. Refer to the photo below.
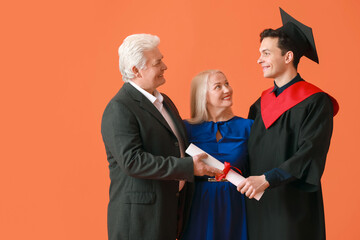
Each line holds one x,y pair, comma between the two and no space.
175,117
145,104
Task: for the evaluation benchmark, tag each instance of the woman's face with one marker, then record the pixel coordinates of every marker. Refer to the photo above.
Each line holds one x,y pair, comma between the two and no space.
219,93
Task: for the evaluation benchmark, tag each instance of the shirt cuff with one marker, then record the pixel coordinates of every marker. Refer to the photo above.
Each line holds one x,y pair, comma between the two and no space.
277,177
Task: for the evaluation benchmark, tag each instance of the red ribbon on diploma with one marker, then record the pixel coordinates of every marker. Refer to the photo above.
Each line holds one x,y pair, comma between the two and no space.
226,170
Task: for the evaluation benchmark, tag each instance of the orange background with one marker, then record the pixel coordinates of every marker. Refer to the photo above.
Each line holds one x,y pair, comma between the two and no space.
59,69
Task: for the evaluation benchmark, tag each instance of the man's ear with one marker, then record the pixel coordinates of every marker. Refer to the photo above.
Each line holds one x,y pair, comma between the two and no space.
136,72
289,56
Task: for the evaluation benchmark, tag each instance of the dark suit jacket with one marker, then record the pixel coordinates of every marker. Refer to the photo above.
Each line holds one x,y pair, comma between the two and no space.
145,164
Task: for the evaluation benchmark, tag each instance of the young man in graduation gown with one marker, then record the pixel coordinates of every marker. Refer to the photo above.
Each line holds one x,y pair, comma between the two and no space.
289,141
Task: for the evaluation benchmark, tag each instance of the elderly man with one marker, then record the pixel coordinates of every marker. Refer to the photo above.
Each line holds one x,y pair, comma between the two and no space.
288,142
145,141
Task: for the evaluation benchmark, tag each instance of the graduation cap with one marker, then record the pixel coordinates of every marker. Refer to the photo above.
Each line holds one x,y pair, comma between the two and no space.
301,35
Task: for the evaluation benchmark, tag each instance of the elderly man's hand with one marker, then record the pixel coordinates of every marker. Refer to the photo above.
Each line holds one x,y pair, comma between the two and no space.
201,169
253,185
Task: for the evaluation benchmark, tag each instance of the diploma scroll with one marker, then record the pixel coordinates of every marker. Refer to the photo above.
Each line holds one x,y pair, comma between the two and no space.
232,176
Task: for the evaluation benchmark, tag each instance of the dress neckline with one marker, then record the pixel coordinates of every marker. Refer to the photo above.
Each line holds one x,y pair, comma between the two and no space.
222,121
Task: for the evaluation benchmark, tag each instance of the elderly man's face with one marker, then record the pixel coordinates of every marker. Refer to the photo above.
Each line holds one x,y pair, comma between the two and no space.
153,75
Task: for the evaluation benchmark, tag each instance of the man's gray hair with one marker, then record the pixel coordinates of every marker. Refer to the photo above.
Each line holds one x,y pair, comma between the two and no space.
131,53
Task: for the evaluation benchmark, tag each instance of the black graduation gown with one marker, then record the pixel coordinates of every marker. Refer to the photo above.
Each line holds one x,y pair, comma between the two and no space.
297,142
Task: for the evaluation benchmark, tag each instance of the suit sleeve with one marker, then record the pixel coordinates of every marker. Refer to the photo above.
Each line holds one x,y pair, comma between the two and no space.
125,144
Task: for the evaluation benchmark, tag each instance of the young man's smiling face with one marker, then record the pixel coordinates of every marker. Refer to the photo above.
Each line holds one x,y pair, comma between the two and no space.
271,60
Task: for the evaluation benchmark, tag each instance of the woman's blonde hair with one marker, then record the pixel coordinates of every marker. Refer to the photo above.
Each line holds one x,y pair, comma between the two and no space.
199,88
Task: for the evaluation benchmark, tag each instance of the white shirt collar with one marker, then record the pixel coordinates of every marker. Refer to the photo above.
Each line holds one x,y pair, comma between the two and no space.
149,96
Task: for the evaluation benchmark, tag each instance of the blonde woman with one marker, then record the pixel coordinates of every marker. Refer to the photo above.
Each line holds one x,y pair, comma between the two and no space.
218,209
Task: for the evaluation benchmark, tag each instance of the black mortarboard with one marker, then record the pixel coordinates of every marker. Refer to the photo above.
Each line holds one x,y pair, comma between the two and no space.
301,35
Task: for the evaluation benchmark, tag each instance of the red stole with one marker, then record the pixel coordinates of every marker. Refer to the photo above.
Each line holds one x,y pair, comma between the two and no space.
273,107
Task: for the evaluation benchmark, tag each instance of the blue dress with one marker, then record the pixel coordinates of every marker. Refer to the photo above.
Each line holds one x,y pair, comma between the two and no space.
218,209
